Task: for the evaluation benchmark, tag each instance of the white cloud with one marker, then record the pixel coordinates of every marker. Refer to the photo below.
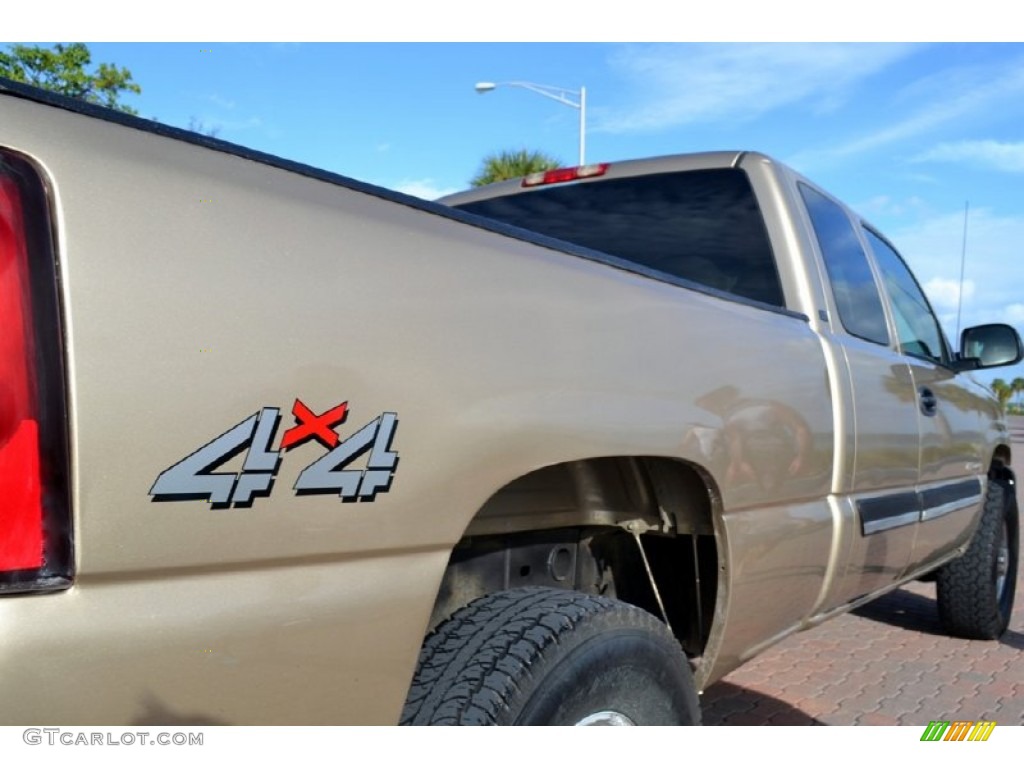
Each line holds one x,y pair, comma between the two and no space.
428,189
1015,314
220,101
944,292
965,93
706,82
994,155
223,126
993,270
884,205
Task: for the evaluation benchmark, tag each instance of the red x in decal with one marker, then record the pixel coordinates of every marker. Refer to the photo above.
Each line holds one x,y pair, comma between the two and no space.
309,424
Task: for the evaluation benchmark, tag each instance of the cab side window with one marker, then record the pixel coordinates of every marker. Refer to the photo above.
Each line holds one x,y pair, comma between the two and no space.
917,328
853,283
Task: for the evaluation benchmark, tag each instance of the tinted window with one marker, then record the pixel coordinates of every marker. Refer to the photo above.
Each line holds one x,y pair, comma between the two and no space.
919,332
702,226
853,284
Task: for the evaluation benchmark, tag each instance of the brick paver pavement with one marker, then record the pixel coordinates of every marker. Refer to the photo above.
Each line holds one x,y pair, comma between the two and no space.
888,663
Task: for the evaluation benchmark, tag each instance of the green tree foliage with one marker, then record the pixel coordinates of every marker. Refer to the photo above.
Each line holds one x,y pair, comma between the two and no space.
198,126
64,69
512,165
1002,391
1017,387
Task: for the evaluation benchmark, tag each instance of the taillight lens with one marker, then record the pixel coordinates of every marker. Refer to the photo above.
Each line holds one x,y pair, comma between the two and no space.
21,512
34,509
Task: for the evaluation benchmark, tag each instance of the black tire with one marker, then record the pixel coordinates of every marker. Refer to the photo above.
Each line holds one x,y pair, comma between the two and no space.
538,656
975,592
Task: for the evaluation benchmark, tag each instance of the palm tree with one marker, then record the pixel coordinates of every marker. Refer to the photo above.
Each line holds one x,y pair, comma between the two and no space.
1017,385
512,164
1003,391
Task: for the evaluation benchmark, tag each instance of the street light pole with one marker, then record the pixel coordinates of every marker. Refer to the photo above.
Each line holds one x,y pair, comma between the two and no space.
583,124
559,95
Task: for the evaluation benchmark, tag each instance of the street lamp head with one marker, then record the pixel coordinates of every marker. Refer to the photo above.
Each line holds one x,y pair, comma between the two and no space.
558,94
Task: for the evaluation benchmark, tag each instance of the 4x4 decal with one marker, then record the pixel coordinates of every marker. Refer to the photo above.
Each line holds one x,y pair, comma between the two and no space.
193,477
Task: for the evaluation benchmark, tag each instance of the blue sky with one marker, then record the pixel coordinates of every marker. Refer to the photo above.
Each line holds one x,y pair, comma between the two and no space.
905,133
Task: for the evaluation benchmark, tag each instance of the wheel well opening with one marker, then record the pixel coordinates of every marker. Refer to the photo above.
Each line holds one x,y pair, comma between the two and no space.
638,530
1002,460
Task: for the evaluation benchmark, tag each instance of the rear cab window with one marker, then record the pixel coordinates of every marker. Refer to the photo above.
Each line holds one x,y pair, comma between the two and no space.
702,226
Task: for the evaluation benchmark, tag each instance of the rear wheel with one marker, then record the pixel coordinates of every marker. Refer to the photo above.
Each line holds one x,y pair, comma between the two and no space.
976,591
537,656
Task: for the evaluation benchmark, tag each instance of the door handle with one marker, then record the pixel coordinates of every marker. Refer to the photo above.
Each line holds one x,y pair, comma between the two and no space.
929,402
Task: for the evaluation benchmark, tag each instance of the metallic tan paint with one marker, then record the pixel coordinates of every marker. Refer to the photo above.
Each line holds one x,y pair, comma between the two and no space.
199,287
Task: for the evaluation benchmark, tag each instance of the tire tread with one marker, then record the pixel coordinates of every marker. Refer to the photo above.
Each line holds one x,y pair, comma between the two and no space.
968,605
469,666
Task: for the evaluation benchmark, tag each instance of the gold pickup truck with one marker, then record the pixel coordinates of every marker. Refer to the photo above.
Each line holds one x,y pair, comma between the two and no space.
277,446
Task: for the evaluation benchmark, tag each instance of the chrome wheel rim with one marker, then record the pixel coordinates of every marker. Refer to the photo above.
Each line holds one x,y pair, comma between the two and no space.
606,717
1002,560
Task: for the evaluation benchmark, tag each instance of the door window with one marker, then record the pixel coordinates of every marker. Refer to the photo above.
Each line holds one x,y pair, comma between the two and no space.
917,328
853,284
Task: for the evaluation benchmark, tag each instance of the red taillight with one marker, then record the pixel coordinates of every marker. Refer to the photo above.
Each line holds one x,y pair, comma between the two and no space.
35,526
560,175
21,513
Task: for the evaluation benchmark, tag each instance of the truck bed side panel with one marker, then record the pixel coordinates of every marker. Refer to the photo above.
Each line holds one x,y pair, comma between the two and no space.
201,288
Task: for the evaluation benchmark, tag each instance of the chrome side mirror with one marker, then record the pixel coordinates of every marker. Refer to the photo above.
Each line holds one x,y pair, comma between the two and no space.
990,346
